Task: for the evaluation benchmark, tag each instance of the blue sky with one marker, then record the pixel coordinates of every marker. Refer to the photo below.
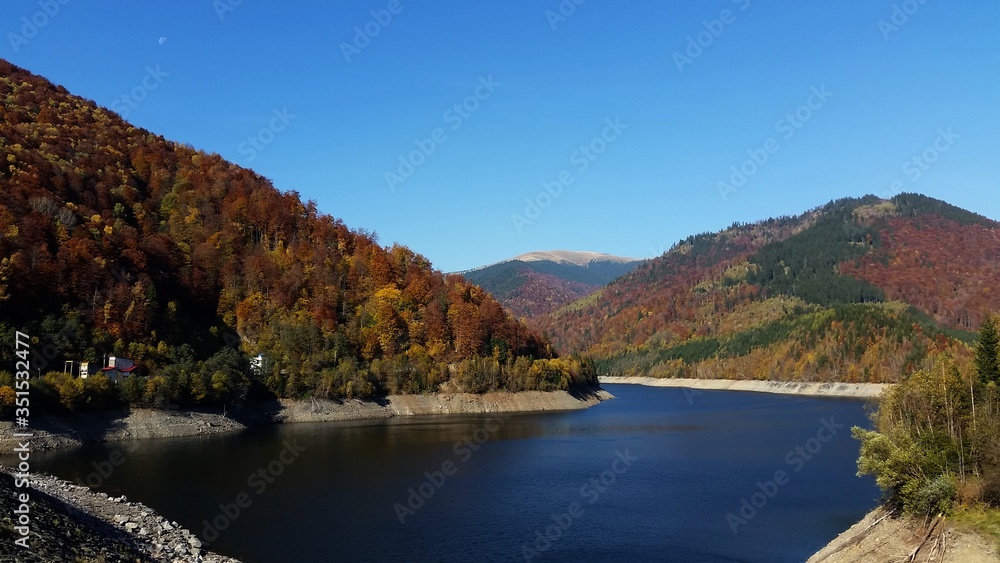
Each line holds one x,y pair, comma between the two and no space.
475,131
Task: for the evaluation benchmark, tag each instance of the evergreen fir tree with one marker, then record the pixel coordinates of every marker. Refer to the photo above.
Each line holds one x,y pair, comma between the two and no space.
987,362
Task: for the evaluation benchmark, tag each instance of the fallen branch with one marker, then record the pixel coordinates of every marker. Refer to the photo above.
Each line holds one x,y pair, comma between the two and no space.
875,523
856,538
916,550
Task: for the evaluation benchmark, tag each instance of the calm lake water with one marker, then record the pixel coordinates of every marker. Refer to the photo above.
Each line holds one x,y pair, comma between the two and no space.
649,476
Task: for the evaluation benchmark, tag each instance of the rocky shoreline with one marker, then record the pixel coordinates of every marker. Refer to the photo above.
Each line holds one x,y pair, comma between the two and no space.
69,522
53,432
812,389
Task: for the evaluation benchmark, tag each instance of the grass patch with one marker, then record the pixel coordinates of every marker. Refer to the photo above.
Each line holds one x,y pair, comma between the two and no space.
981,519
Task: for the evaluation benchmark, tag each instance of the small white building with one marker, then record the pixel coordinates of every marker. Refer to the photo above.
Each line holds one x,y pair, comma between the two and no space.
118,368
78,369
257,364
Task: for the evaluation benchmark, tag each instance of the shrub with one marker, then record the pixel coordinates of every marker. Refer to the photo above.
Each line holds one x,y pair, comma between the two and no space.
7,398
931,496
98,393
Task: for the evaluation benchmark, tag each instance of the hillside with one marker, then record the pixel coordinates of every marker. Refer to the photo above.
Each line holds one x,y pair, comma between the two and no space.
857,290
115,241
539,282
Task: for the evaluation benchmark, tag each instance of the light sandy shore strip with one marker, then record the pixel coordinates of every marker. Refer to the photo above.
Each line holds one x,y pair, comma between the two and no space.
853,390
439,403
66,431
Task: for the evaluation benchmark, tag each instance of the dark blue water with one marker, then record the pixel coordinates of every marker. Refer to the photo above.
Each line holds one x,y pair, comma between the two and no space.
497,487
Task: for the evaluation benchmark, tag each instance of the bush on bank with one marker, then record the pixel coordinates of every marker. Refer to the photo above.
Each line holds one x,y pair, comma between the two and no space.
937,434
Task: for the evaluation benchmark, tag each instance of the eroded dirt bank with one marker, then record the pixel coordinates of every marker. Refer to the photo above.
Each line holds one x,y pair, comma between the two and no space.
880,537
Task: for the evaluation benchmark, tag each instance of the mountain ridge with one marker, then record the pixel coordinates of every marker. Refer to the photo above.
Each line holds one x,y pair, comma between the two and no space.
887,276
575,257
537,282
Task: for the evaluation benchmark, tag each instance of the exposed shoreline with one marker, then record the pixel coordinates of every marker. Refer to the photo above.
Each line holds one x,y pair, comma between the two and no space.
880,536
812,389
67,431
69,522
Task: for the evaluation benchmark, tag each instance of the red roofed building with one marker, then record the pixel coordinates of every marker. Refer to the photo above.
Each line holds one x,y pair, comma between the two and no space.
119,368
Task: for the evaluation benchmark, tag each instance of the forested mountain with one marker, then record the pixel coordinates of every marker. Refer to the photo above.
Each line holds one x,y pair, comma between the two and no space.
115,241
538,282
857,290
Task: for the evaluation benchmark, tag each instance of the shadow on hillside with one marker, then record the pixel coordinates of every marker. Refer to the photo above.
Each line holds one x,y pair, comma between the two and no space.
251,413
84,426
584,393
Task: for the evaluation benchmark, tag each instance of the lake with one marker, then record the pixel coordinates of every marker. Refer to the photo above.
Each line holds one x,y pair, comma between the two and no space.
655,474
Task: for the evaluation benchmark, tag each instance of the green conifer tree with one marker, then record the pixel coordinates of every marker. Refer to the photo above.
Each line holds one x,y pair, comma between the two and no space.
987,352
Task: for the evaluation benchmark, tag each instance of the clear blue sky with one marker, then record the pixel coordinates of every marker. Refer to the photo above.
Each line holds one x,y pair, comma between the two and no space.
224,72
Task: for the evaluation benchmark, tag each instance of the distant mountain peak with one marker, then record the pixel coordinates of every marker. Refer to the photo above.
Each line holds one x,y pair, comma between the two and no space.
538,282
579,258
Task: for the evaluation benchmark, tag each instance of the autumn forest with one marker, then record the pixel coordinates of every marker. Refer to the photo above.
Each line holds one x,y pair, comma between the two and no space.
117,242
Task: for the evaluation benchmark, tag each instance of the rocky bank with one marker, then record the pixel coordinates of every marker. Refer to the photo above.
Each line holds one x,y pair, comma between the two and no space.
72,523
52,432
